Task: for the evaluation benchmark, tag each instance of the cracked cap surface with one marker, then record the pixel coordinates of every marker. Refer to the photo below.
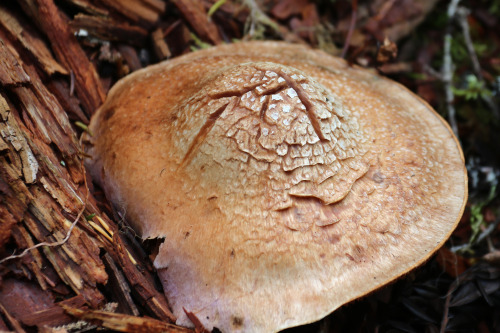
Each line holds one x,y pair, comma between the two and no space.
285,182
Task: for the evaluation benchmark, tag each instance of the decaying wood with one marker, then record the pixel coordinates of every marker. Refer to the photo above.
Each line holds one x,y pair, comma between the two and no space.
146,293
108,29
160,46
11,73
125,323
61,90
118,285
40,172
69,52
41,178
54,315
88,7
130,56
32,306
195,14
30,40
144,13
13,321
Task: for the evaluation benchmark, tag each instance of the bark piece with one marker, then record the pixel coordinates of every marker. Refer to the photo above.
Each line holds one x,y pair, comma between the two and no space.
11,72
46,119
12,133
119,286
195,14
145,13
130,56
69,102
54,315
15,195
125,323
66,48
146,293
7,221
160,45
108,29
33,261
87,7
307,26
23,298
13,322
34,307
30,41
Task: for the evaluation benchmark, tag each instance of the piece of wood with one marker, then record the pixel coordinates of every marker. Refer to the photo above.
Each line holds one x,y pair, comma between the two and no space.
87,7
54,315
110,30
42,113
37,188
7,222
33,261
160,45
11,72
130,56
68,51
286,8
16,325
125,323
120,288
61,90
143,287
31,41
194,12
144,13
21,155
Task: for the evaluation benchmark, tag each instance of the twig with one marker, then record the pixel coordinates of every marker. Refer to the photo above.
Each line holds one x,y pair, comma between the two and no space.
461,16
58,243
447,79
444,321
351,28
447,68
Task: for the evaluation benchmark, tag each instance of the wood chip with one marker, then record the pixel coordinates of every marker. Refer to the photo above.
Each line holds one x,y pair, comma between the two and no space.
69,52
120,288
13,134
71,104
55,315
160,45
87,7
130,56
151,298
13,321
145,13
107,29
6,223
11,71
125,323
31,41
195,14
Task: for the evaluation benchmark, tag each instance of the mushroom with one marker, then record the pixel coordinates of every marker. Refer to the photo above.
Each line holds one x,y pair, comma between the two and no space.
284,181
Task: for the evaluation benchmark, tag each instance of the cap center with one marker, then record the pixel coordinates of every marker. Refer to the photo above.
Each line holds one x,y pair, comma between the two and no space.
287,123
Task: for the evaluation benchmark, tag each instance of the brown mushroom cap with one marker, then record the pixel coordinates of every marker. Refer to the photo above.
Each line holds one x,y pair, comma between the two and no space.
285,182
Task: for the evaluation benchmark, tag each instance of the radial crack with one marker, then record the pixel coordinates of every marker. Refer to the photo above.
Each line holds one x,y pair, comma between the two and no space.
307,104
202,134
